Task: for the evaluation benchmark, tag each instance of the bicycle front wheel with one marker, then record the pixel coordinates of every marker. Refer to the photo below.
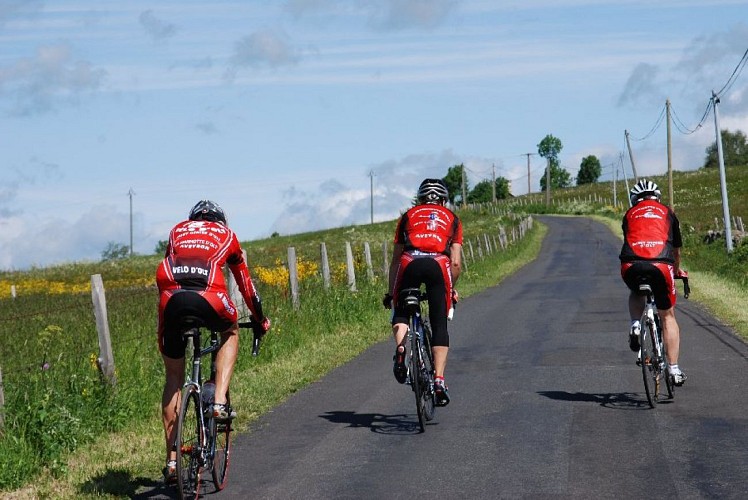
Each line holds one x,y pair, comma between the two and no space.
189,445
221,432
649,364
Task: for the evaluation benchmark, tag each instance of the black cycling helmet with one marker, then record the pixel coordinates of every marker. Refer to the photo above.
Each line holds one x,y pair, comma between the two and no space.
208,210
644,189
432,191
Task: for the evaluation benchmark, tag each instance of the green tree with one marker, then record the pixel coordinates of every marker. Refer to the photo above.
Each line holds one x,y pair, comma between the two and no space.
589,170
482,192
560,178
115,251
453,180
161,247
549,148
734,150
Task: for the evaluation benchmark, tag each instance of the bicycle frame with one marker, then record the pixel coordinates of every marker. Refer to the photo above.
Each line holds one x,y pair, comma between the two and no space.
655,365
202,442
421,362
195,380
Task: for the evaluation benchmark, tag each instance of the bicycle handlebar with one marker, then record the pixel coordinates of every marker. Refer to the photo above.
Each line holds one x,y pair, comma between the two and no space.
257,334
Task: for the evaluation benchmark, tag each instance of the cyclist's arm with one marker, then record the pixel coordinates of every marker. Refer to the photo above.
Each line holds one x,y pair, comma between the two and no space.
397,252
676,265
455,258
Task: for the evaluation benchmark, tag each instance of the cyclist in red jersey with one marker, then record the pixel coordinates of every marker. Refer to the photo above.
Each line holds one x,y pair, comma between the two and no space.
190,282
427,250
651,253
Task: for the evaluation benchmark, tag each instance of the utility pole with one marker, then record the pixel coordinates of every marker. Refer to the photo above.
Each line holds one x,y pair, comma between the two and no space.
669,157
631,156
529,185
371,190
130,193
548,182
615,191
493,184
722,179
625,179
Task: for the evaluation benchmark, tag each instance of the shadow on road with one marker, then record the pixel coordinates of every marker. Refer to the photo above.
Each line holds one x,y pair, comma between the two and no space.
617,401
376,422
120,482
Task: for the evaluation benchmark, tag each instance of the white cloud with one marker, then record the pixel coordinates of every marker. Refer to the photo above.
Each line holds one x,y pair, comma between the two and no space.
37,84
32,241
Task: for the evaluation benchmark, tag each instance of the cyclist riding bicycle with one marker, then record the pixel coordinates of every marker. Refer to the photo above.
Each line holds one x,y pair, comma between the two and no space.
191,283
651,253
427,250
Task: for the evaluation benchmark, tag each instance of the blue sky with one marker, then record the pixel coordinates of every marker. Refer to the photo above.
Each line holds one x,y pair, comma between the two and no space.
284,111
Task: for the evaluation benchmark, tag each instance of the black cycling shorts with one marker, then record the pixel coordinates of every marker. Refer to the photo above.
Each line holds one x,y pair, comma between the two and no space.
427,271
186,303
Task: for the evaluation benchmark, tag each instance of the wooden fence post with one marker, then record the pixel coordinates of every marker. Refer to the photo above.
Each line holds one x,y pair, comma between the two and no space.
293,277
13,291
325,265
105,359
367,257
350,267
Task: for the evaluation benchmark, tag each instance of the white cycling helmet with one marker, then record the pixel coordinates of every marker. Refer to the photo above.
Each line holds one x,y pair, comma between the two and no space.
644,189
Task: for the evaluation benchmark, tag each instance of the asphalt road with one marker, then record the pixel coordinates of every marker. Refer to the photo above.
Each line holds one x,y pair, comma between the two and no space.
547,402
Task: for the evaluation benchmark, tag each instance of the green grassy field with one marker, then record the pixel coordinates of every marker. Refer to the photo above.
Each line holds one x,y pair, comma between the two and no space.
68,435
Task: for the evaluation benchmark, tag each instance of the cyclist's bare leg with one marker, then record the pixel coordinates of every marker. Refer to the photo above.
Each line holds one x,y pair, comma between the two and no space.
670,334
170,401
440,360
225,360
636,306
399,330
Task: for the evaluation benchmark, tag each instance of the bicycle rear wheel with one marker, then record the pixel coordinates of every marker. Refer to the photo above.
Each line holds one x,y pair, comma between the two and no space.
189,445
427,374
416,382
221,432
648,363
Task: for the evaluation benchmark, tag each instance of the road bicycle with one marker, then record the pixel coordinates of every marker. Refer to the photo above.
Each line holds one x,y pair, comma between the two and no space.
653,352
420,358
203,443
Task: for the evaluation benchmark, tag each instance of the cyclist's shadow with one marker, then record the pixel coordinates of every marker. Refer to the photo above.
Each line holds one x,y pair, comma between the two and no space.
614,400
120,482
376,422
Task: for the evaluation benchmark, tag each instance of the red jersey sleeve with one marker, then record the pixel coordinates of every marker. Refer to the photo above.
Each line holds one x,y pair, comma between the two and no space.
239,268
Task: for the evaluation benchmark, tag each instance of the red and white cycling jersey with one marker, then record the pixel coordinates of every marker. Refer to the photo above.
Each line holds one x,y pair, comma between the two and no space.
651,231
429,228
195,256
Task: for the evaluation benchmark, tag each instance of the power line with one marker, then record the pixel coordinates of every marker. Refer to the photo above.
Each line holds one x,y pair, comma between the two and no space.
682,128
655,127
734,75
